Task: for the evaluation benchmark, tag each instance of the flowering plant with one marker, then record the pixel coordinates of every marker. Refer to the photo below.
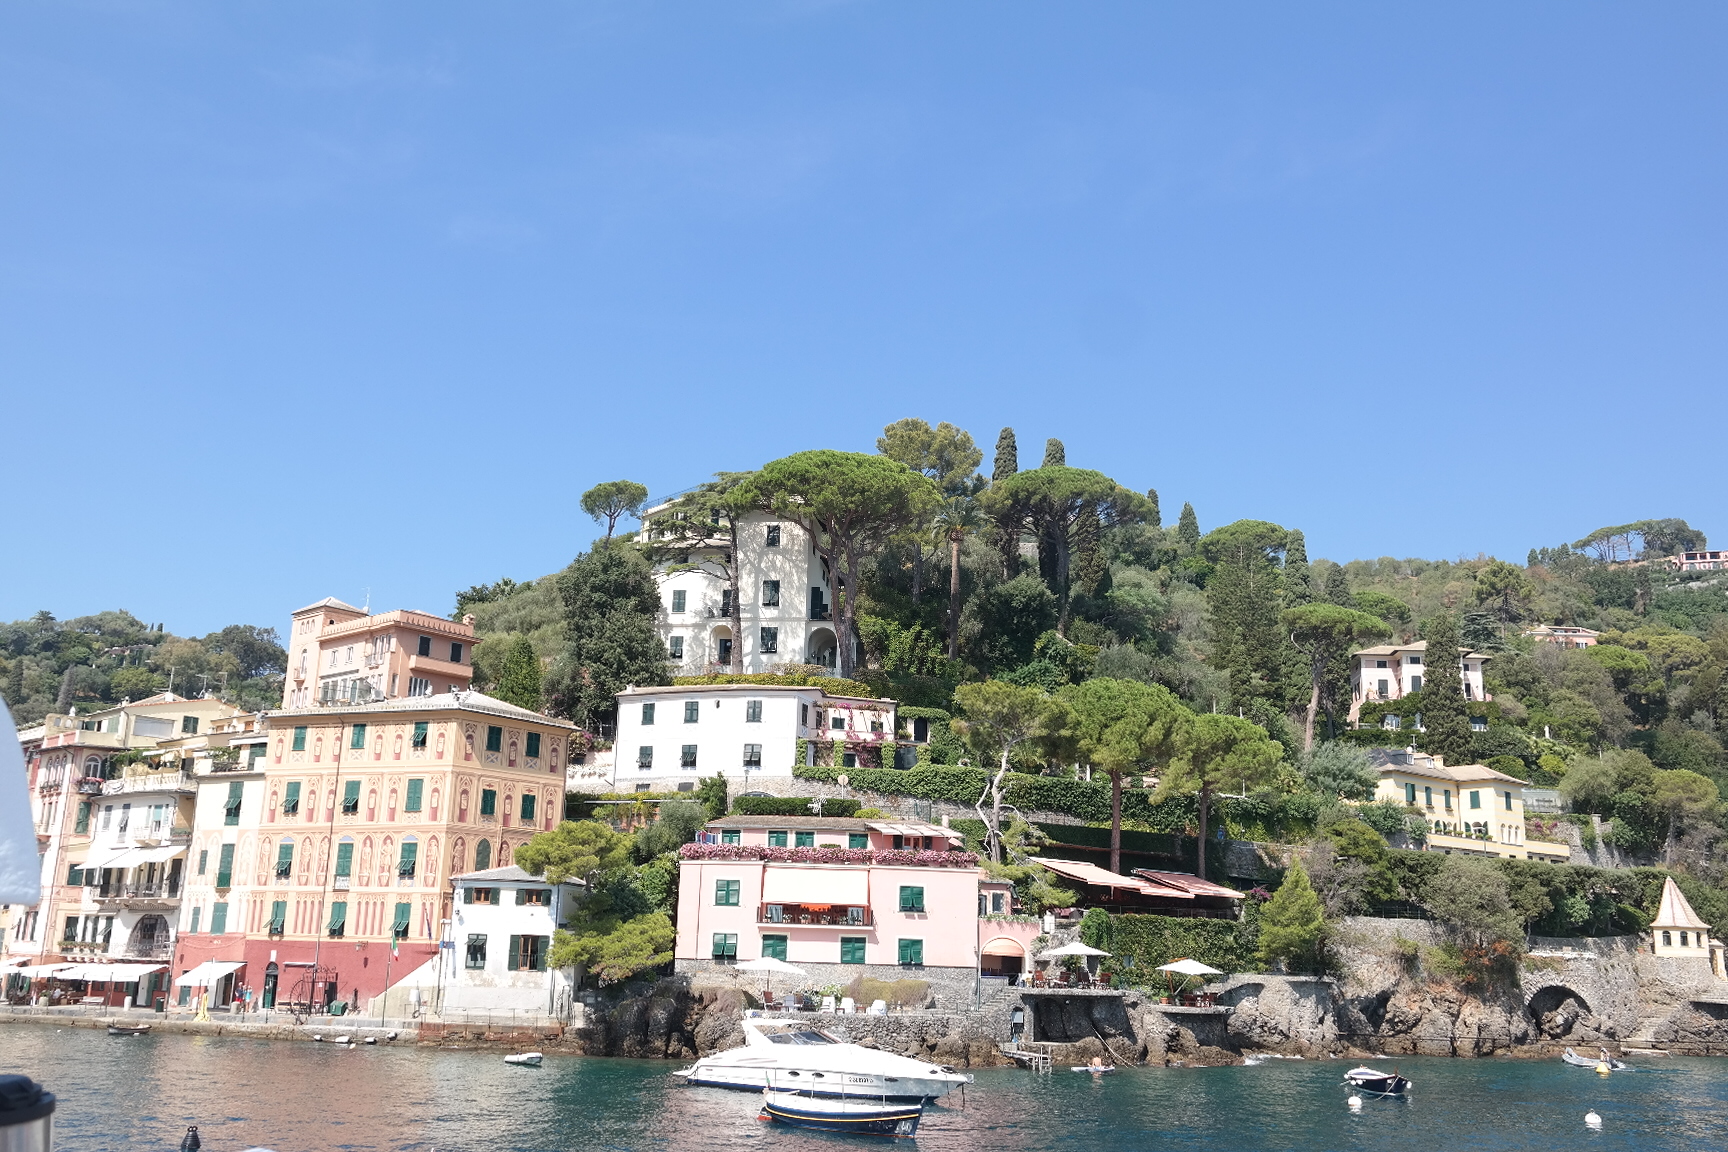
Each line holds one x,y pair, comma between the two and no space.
904,856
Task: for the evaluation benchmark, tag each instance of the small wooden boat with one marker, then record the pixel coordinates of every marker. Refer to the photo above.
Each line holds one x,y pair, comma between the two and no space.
1378,1083
128,1029
866,1115
526,1059
1593,1062
1094,1068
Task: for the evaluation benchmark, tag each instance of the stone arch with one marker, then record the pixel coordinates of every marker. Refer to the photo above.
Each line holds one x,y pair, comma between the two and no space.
1556,1009
1003,955
822,647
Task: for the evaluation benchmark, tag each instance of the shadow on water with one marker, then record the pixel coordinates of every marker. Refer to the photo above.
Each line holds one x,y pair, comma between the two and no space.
139,1093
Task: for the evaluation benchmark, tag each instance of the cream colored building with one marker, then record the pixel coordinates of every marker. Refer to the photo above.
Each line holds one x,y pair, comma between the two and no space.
340,654
1678,931
1470,809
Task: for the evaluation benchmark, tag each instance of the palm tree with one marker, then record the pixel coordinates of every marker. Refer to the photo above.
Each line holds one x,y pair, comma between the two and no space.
958,516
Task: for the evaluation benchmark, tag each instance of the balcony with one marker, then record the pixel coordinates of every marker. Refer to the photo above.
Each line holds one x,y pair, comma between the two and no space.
139,894
149,950
821,612
443,669
342,883
815,915
151,782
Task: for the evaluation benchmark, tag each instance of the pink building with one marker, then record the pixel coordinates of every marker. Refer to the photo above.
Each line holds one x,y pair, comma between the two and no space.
843,898
339,654
1699,561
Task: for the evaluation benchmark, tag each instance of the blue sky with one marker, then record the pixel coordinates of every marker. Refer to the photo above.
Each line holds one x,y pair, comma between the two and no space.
303,299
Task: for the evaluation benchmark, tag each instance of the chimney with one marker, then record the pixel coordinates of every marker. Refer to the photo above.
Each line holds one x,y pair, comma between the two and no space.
944,819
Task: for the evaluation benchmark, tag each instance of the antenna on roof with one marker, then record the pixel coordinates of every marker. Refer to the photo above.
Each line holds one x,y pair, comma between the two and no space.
368,608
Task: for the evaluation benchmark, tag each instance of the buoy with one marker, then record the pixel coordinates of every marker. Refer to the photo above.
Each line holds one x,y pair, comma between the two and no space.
1593,1120
190,1141
1355,1103
1601,1069
371,1039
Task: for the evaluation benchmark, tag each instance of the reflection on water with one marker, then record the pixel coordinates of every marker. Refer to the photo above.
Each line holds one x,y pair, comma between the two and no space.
141,1092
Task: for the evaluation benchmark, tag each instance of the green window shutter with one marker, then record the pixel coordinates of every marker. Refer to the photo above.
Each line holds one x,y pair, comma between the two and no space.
1409,793
278,916
774,947
357,737
291,798
911,899
419,738
468,895
218,918
726,893
511,957
521,896
284,858
911,951
351,798
83,824
339,918
399,929
196,914
488,802
300,738
731,836
225,867
533,745
540,951
851,949
857,840
231,810
482,856
416,788
805,840
1475,799
75,875
345,859
527,806
494,738
725,946
203,860
776,839
408,860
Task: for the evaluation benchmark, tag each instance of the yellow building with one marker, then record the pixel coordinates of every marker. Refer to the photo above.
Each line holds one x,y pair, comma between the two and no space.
1676,929
1470,809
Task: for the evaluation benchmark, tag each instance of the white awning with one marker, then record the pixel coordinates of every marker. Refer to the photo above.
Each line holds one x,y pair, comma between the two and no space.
802,884
125,973
157,855
38,971
208,973
104,856
886,828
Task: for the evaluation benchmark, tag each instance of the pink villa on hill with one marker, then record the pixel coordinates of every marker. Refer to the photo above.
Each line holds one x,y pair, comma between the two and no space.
842,898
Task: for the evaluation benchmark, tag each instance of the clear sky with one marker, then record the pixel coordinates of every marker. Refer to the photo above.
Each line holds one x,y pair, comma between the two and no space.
307,299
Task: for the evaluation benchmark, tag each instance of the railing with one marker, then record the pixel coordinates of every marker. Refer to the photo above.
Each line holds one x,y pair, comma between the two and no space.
800,915
91,786
822,612
150,950
150,782
342,883
161,890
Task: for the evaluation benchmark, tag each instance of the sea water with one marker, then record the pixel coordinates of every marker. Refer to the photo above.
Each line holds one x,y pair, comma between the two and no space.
141,1092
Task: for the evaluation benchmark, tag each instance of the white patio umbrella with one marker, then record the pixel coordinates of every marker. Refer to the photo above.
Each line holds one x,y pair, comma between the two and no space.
1188,968
770,967
1074,949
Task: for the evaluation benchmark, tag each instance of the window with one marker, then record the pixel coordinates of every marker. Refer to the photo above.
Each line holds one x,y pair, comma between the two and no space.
1413,660
399,926
345,859
357,738
726,893
189,725
482,896
482,856
225,867
291,799
455,653
300,738
875,725
687,758
857,840
678,601
1415,683
692,711
351,798
219,918
82,825
1446,793
476,950
752,755
408,861
203,860
534,897
416,795
776,839
647,714
338,919
527,953
284,859
230,810
772,536
774,947
419,686
1380,664
752,711
804,715
912,953
837,722
107,816
488,802
770,593
724,656
770,640
425,648
1667,937
278,917
851,949
911,898
533,745
804,840
1428,797
998,902
1475,799
731,836
645,756
1508,797
420,735
527,807
1409,793
675,647
494,738
75,875
725,947
196,913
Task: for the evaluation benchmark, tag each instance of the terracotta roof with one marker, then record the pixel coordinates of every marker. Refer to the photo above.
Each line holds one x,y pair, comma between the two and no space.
1098,877
1420,764
1188,882
1674,911
327,602
1417,646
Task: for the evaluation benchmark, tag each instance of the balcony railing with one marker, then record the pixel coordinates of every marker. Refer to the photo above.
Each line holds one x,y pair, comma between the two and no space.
161,890
149,950
807,915
342,883
151,782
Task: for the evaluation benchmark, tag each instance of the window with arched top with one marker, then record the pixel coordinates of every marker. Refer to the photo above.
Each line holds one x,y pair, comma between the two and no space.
482,856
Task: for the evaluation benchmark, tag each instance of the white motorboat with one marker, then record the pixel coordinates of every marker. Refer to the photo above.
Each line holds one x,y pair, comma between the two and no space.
817,1062
526,1059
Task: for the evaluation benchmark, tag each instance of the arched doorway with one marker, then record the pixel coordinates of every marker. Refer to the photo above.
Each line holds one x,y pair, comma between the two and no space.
270,977
1004,957
722,646
149,939
821,647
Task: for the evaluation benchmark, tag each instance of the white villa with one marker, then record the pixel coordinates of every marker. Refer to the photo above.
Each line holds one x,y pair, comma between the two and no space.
1390,671
501,929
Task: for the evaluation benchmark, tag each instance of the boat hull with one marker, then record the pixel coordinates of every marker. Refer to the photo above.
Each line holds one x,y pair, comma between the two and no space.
887,1119
743,1078
1380,1085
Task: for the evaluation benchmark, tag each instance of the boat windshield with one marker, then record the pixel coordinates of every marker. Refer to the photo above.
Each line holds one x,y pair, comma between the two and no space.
806,1037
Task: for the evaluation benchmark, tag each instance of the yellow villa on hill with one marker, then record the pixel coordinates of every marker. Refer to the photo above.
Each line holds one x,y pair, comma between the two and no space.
1470,809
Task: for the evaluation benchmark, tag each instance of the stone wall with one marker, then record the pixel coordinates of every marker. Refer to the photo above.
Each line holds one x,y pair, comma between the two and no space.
951,989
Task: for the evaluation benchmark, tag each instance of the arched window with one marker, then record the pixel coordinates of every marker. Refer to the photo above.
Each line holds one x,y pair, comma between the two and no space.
1667,939
483,858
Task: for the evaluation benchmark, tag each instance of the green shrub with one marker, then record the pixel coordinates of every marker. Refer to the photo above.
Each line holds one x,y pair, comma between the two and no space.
771,806
1154,940
832,685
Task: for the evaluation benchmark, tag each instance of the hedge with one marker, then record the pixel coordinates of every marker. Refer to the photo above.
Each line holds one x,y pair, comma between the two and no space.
791,806
1151,941
831,685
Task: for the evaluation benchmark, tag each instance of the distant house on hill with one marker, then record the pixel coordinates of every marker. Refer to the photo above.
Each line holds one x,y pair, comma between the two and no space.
1563,636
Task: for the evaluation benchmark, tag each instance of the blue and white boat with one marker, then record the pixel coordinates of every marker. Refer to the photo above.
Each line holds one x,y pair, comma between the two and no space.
865,1115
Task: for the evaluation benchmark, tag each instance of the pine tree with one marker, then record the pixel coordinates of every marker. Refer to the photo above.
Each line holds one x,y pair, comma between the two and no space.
1153,516
519,679
1055,456
1007,456
1338,588
1188,530
1298,580
1292,925
1446,725
1248,641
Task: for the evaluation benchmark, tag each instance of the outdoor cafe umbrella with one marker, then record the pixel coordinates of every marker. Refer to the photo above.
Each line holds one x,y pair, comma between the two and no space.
770,967
1074,949
1187,968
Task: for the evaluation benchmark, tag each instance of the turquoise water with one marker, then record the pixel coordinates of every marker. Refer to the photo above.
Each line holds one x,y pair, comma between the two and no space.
141,1092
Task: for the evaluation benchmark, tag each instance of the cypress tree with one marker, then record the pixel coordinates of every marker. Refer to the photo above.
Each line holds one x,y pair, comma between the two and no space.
1055,456
1338,588
1188,530
1298,580
1007,456
1153,516
1446,725
1292,925
1090,574
519,679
